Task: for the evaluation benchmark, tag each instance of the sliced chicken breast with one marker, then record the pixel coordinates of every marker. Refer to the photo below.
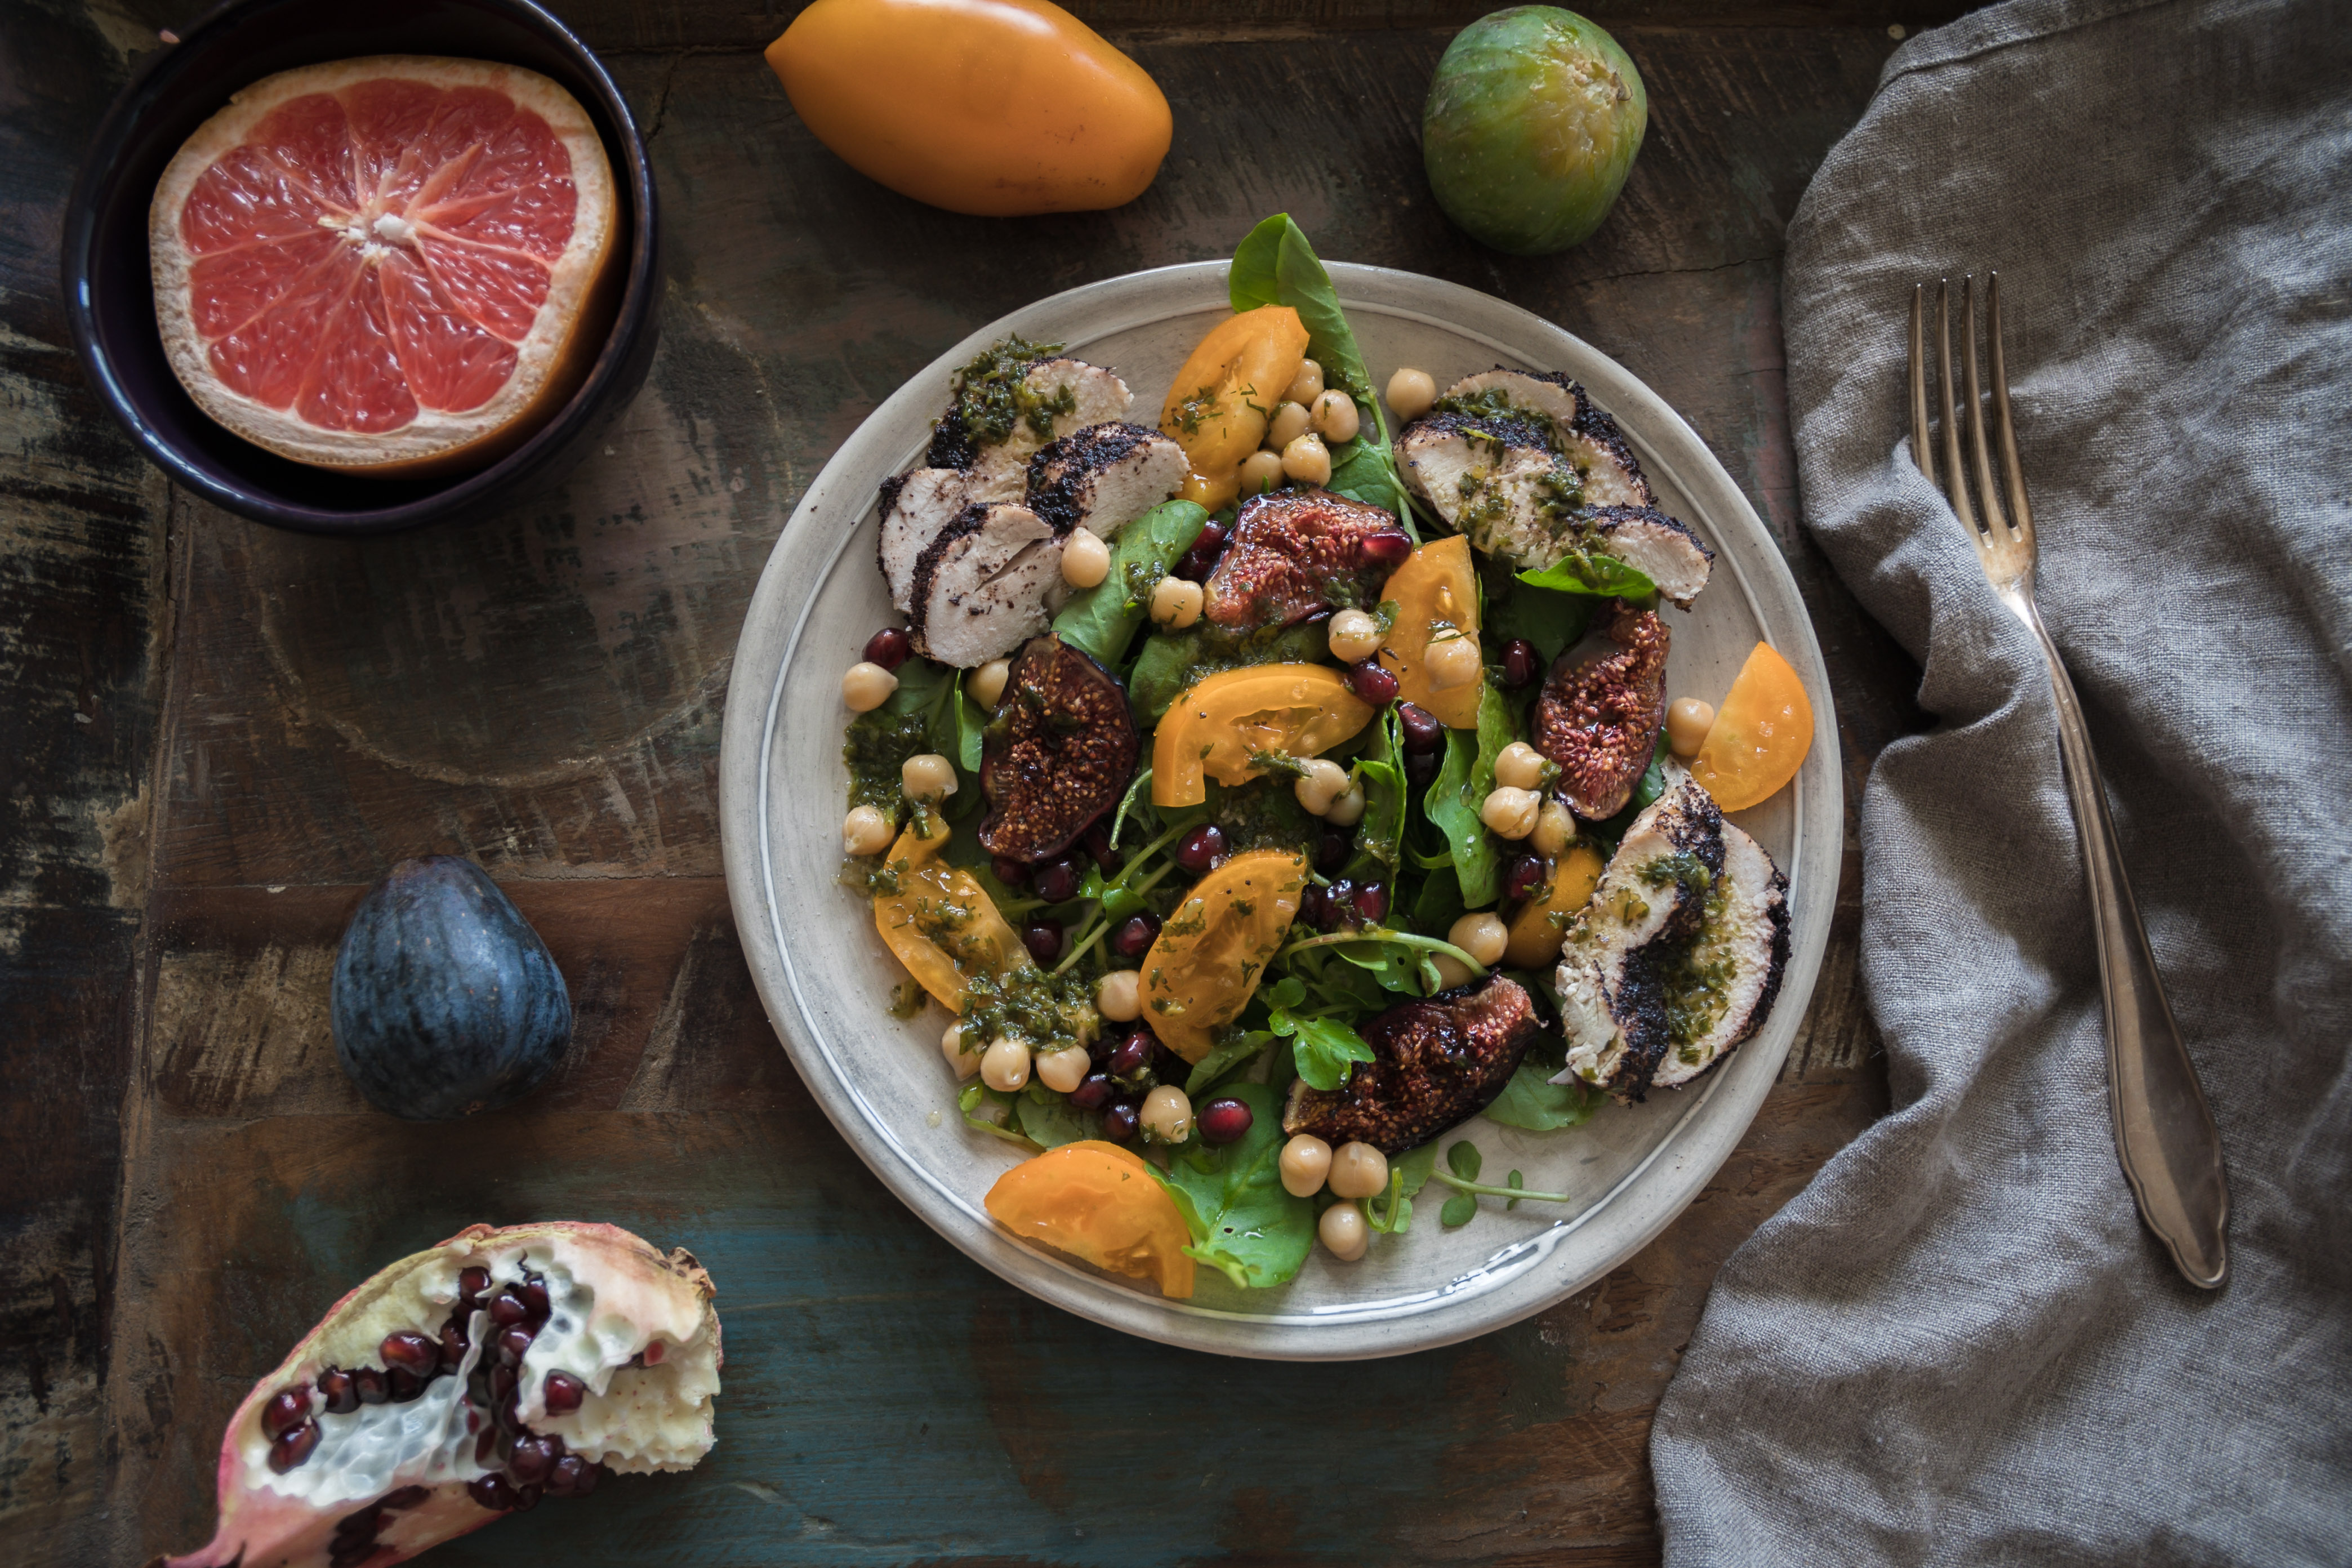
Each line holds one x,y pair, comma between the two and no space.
1458,461
1103,477
1060,396
1610,473
916,506
1661,548
1547,393
1718,988
989,582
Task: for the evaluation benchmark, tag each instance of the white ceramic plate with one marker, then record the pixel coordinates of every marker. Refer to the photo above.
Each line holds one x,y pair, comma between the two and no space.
826,977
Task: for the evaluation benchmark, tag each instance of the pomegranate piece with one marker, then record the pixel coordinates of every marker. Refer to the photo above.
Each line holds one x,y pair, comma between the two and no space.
332,1478
1601,708
1299,553
1059,755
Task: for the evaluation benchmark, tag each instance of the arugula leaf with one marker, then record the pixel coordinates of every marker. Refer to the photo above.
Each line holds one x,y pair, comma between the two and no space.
1603,576
1408,1174
1102,619
1325,1048
1379,835
1439,903
1461,788
1244,1223
970,727
1048,1118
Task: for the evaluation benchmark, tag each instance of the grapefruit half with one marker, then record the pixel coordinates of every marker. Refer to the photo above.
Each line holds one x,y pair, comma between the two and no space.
396,265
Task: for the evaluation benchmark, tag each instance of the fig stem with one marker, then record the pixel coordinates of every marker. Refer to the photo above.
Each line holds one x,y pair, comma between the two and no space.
1459,1185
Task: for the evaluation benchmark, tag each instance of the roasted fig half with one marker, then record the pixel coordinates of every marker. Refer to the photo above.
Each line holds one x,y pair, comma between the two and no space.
1300,553
1435,1063
1601,708
1058,755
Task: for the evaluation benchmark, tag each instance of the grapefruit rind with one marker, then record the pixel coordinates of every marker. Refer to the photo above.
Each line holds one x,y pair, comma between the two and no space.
550,359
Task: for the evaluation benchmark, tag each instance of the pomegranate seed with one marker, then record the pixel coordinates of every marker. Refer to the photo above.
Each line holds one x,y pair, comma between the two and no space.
653,1353
407,1496
1225,1120
403,1385
1199,851
1311,906
1420,769
1132,1057
1098,845
1119,1122
293,1446
1423,733
507,1309
336,1387
888,647
1012,873
1373,684
454,1344
513,1344
1201,558
491,1492
1521,664
534,1299
502,1383
532,1459
573,1476
1332,852
471,1284
563,1392
526,1499
371,1386
1042,937
1135,935
1523,877
1388,549
1371,902
1058,882
285,1410
1335,907
413,1351
1092,1094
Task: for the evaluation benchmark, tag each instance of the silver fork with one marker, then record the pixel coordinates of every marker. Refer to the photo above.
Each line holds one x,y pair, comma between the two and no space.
2164,1135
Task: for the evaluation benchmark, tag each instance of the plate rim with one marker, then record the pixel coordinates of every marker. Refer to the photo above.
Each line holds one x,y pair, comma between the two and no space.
1693,1153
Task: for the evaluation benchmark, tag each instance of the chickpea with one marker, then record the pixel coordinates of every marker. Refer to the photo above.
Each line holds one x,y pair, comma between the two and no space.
1260,471
866,686
1344,1231
1511,813
1411,392
964,1060
1483,936
1336,417
986,684
1168,1114
1324,782
1349,809
865,831
1687,722
1554,828
1521,766
1175,603
1451,971
1305,1161
927,776
1290,421
1086,559
1065,1069
1308,460
1308,386
1451,662
1004,1066
1359,1171
1118,995
1355,635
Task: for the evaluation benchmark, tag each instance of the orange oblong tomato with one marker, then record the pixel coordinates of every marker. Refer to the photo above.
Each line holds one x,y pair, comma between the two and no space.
1207,960
998,108
939,921
1760,735
1097,1202
1436,596
1221,402
1298,710
1540,928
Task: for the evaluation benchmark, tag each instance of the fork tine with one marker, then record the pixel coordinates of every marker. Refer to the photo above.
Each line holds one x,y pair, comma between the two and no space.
1956,483
1922,451
2021,510
1995,523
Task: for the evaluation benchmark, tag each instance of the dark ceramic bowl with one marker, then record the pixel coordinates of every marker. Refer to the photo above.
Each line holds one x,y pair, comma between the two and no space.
112,301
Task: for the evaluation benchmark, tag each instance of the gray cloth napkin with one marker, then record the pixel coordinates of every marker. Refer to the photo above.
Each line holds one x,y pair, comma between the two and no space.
1959,1344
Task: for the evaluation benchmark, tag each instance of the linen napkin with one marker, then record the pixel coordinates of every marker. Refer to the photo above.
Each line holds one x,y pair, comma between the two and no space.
1959,1344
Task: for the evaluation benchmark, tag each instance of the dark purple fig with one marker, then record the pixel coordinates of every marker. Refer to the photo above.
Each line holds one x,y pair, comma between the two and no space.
1434,1063
1058,755
1601,708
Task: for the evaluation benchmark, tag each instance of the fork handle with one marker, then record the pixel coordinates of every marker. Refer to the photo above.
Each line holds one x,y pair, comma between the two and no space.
2165,1132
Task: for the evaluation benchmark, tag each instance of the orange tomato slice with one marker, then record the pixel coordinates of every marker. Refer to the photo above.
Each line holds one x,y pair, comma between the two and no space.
1219,405
1096,1202
1760,735
1298,710
1436,594
1538,930
941,923
1207,960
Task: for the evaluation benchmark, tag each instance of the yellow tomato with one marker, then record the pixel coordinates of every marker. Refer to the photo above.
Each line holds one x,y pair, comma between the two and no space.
941,923
1436,596
994,107
1298,710
1218,406
1207,960
1760,735
1096,1202
1541,925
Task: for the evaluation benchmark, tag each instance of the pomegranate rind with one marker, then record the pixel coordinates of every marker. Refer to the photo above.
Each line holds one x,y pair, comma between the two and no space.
643,1301
550,359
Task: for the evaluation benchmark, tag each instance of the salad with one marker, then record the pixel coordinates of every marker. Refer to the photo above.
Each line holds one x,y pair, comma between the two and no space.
1265,791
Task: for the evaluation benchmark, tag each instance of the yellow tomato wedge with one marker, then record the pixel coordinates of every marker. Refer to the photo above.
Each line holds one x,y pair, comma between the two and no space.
1540,927
1096,1202
941,923
1219,405
1760,735
1208,959
1436,596
1298,710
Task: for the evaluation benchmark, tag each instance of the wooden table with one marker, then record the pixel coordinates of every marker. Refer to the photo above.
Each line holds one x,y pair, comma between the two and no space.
217,735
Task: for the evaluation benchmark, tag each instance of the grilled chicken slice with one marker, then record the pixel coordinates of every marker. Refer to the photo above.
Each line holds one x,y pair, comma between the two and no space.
1654,891
1103,477
1601,707
1435,1064
1546,394
1297,552
916,506
1718,987
989,582
1659,547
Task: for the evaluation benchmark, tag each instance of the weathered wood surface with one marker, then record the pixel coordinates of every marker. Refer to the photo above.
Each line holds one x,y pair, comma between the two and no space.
216,736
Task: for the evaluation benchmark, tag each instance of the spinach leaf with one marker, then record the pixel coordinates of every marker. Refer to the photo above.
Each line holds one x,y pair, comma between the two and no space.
1102,619
1439,903
1049,1119
877,745
1380,836
1244,1223
1604,576
1548,619
1461,787
971,726
1225,1056
1325,1048
1533,1102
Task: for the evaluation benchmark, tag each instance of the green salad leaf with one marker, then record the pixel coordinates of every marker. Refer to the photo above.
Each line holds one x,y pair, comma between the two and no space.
1601,576
1531,1100
1173,662
920,716
1102,619
1461,790
1244,1223
1379,835
1546,617
1390,1213
1326,1048
1228,1053
971,726
1048,1118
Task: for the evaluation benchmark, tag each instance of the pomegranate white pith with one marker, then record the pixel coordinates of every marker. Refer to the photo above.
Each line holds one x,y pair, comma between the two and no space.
633,1327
